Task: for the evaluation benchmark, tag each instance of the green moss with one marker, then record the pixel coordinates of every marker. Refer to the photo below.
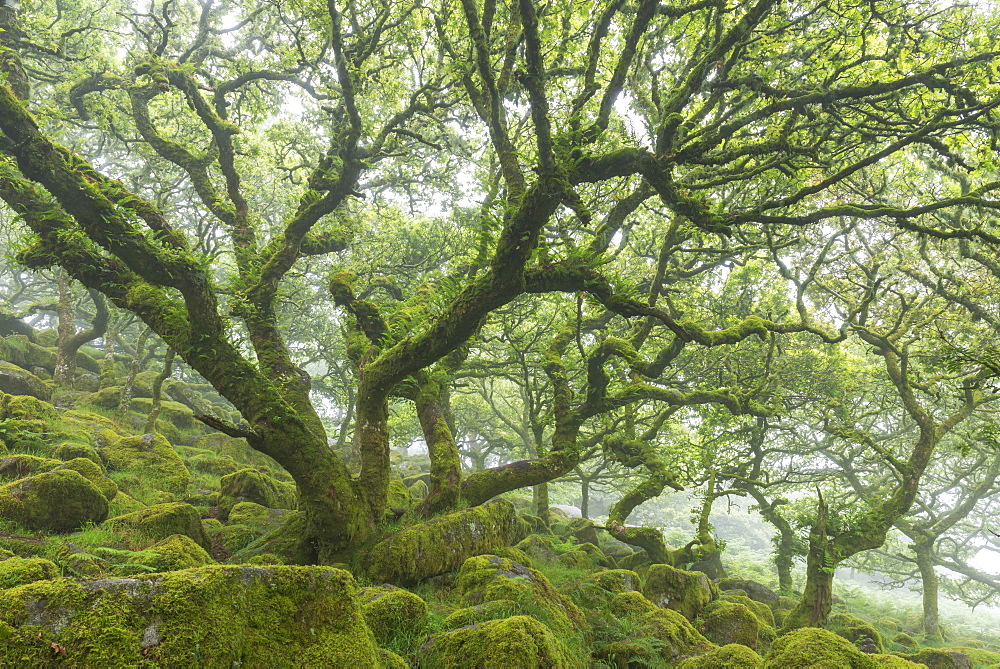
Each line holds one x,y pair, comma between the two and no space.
18,466
631,604
162,520
209,616
93,473
616,580
285,541
731,656
687,592
218,465
729,622
70,450
487,578
393,613
150,453
519,641
537,547
178,551
814,647
27,407
15,571
763,612
978,654
895,662
940,658
22,383
59,501
856,630
442,544
250,485
661,635
389,660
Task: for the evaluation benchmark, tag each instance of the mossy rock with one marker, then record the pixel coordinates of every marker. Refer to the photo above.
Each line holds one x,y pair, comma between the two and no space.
515,554
493,610
162,520
253,616
392,613
85,422
124,503
389,660
486,578
662,635
418,490
616,549
637,560
250,485
977,653
856,630
234,537
285,541
94,473
686,592
150,453
730,656
896,662
174,413
616,580
257,516
758,592
904,639
442,544
534,523
584,530
70,450
209,463
399,497
537,547
20,465
57,501
15,571
518,641
728,622
815,647
178,551
26,407
18,381
763,612
25,353
940,658
631,605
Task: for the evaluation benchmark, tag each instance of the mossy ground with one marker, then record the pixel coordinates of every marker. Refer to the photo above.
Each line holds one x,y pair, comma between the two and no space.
551,598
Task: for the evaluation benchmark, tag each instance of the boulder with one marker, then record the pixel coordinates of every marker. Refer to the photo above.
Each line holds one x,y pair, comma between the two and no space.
754,590
150,454
940,658
686,592
250,485
216,616
178,551
729,622
443,544
662,636
616,580
731,656
854,629
392,613
18,381
15,571
57,501
811,647
162,520
518,641
93,473
487,578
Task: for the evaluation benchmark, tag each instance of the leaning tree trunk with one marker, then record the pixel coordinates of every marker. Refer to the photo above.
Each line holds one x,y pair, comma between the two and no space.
445,489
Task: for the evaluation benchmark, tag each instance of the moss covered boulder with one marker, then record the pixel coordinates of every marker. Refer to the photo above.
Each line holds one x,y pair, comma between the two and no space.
941,658
162,520
728,622
392,612
58,501
149,453
662,636
20,465
752,589
814,647
94,473
857,631
616,580
631,605
71,450
216,616
15,571
209,463
250,485
686,592
443,544
487,578
730,656
537,547
18,381
519,641
178,551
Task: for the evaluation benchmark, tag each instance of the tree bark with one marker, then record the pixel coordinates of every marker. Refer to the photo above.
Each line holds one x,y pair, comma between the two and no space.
929,581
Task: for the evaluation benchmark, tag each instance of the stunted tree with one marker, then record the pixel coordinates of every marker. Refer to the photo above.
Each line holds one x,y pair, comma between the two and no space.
742,121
